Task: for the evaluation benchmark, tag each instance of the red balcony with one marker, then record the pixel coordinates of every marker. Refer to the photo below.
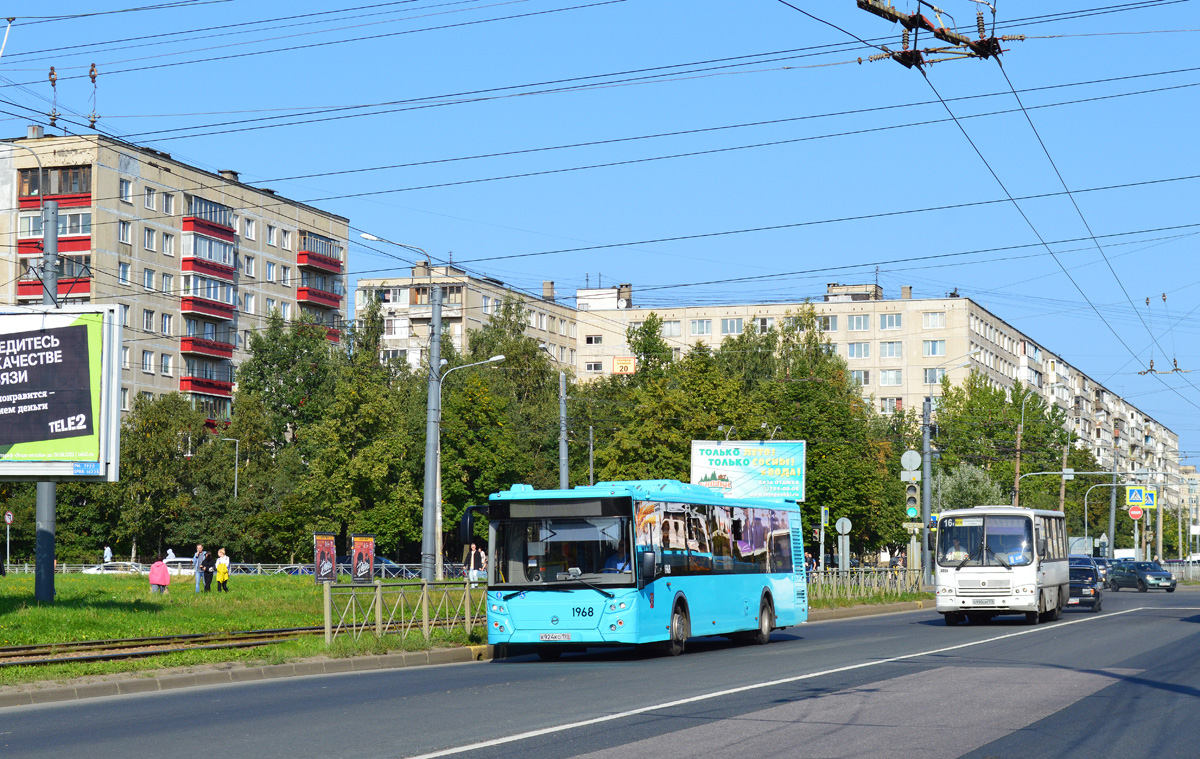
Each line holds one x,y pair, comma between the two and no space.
32,246
207,268
333,334
206,227
205,386
71,200
191,304
74,287
202,346
314,297
308,259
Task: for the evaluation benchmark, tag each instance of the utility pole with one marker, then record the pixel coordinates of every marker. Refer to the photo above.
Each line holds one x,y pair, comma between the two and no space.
1112,508
432,433
43,583
1017,473
563,479
591,454
926,468
1162,506
1062,484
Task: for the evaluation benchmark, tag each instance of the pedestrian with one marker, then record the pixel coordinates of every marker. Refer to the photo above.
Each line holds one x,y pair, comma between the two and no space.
476,563
107,554
209,567
160,576
222,571
197,561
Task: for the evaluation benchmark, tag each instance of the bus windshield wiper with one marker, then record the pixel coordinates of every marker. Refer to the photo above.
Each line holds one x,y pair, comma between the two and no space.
963,563
996,556
516,593
596,588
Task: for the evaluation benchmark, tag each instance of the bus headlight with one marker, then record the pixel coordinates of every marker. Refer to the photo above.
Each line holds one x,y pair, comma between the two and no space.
621,605
612,627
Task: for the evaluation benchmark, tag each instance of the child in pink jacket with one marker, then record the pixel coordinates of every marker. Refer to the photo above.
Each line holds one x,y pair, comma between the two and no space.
160,576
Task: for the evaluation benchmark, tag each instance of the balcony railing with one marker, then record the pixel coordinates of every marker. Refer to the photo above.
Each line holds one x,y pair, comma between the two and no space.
203,346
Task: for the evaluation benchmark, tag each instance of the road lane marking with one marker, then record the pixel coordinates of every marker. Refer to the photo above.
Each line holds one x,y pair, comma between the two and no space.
753,686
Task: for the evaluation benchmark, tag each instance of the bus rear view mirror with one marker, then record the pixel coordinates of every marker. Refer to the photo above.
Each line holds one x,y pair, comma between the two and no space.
649,564
932,540
466,526
1041,546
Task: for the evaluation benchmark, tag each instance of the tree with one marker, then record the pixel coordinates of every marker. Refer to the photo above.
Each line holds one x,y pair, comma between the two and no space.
650,350
963,487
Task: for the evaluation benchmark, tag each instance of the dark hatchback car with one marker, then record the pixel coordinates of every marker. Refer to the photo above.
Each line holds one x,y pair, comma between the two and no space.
1087,589
1143,575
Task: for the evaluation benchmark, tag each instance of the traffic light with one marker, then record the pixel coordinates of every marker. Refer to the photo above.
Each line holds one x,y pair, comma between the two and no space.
912,499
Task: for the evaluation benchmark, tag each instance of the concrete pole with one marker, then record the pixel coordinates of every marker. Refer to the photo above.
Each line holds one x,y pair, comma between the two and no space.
1062,484
926,469
1158,525
591,458
43,583
1112,514
563,478
432,433
1017,473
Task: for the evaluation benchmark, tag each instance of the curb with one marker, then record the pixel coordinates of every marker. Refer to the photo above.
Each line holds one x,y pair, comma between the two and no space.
247,674
336,666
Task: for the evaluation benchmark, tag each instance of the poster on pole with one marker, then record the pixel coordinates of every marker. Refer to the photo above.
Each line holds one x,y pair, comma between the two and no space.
750,468
324,557
60,385
362,558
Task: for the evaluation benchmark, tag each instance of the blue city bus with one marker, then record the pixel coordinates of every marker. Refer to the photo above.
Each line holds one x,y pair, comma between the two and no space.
561,576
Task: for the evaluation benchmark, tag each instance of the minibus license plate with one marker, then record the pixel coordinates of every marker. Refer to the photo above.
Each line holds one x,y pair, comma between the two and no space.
556,636
985,602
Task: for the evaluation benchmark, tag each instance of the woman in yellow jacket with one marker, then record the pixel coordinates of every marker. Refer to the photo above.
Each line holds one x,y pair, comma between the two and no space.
222,571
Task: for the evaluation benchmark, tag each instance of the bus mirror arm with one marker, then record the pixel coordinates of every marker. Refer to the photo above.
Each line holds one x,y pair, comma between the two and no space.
649,564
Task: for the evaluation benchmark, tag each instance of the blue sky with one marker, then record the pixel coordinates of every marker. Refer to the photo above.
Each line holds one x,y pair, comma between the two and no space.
526,75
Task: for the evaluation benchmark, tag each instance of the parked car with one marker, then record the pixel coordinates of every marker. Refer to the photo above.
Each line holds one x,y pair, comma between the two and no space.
1103,565
117,568
1087,589
1143,575
180,567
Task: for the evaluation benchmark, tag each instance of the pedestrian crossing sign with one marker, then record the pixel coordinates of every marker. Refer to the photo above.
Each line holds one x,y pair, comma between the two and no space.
1149,498
1135,495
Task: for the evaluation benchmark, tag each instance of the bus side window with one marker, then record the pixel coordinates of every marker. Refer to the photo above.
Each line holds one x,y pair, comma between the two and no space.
719,528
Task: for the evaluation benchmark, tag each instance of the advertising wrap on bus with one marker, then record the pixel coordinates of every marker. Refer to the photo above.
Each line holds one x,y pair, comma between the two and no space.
652,561
59,383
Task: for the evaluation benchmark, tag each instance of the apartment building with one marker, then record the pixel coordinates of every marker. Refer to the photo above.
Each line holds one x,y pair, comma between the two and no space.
1190,487
467,303
196,260
899,350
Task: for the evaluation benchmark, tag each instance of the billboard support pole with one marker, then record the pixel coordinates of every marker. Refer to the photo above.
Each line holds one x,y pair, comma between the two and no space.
43,584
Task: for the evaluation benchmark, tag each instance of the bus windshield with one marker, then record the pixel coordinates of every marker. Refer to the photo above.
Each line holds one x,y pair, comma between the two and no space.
551,550
987,541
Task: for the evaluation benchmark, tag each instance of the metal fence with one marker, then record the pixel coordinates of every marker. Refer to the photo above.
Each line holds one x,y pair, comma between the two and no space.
1183,570
383,571
401,607
860,583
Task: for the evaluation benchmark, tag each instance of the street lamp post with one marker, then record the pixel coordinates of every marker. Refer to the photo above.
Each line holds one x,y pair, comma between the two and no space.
1020,432
236,458
438,569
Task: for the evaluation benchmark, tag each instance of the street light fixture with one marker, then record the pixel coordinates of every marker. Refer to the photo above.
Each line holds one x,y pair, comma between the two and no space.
1020,432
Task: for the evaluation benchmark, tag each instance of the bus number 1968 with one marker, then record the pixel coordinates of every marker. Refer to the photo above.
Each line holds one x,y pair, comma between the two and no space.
583,611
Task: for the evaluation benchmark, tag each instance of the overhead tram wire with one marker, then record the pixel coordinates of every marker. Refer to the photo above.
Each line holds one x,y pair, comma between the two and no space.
177,5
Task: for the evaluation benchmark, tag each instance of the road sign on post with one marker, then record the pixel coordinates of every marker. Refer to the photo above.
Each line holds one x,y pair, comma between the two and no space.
8,517
1149,498
1134,495
1135,512
911,460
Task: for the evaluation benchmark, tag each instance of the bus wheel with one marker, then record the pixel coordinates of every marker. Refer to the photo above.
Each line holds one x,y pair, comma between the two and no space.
550,654
1032,617
952,618
766,623
679,631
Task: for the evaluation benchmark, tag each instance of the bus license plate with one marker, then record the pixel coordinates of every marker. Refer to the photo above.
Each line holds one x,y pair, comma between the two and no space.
556,636
985,602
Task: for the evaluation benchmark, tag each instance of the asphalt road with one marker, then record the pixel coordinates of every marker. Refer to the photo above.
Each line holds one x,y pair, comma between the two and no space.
1122,683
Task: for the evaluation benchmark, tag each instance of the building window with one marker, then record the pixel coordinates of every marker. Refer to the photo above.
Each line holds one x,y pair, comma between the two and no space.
891,377
125,190
168,203
150,193
541,321
148,279
270,271
125,357
487,304
572,357
888,405
891,321
270,235
701,327
827,323
249,229
164,364
56,181
858,322
933,348
248,265
562,354
593,339
286,309
891,350
147,320
270,305
148,361
765,324
571,330
166,324
124,399
934,376
124,314
934,320
861,376
858,350
146,395
168,284
731,326
123,273
286,279
168,244
248,303
829,349
124,232
148,238
285,239
672,329
594,367
70,222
